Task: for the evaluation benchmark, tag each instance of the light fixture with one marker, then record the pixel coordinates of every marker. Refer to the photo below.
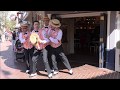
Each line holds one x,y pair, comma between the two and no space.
102,18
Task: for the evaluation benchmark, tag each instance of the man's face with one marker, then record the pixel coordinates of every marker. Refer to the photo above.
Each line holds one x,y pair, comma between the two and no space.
36,25
46,22
24,29
53,28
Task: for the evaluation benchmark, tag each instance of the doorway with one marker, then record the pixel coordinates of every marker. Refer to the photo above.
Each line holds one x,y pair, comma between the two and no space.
90,35
86,39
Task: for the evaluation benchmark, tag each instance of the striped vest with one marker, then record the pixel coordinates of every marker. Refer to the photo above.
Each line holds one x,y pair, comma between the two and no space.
54,35
47,31
27,44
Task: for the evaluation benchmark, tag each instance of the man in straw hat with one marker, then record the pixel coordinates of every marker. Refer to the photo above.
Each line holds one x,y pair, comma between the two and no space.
56,49
39,50
28,47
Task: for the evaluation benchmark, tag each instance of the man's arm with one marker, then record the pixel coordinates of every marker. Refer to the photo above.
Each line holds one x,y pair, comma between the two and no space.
46,40
57,39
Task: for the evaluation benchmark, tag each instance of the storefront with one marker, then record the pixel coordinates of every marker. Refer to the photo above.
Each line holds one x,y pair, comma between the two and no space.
109,36
109,33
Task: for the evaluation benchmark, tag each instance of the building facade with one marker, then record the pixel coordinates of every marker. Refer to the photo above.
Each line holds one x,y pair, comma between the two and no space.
109,31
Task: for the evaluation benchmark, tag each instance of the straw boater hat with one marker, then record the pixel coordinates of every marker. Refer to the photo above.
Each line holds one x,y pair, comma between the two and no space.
34,39
24,24
55,23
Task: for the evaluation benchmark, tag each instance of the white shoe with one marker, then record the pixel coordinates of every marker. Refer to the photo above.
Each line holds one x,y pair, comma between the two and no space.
50,75
52,71
55,72
71,72
31,75
27,71
45,70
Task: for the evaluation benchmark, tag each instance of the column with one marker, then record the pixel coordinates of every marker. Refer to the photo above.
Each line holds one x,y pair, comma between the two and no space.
111,42
117,39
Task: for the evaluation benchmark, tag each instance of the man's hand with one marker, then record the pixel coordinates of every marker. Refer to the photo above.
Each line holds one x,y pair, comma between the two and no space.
42,41
26,38
50,38
47,36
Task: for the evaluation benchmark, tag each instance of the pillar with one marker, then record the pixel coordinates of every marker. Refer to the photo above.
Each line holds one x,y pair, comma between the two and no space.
111,41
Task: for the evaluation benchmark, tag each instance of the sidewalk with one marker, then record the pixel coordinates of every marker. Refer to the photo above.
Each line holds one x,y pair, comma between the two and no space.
14,70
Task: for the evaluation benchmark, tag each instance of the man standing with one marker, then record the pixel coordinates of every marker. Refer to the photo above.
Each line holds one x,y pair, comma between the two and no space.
28,47
39,51
56,48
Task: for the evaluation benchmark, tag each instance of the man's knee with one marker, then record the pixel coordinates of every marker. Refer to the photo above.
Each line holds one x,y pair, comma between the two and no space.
45,61
44,51
34,60
62,54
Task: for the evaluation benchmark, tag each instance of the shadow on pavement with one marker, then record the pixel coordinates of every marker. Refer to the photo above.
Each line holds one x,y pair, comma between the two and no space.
9,60
77,60
8,57
6,72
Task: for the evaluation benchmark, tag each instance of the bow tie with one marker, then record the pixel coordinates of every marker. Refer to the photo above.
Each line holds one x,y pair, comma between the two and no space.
46,27
25,33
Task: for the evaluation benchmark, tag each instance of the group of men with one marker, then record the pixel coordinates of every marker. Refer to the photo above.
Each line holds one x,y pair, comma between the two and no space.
47,49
